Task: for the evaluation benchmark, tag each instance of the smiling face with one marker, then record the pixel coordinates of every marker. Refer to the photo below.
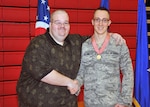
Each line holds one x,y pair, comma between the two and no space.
59,25
101,22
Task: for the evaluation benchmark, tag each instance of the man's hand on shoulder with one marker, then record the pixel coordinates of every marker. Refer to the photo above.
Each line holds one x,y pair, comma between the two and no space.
119,39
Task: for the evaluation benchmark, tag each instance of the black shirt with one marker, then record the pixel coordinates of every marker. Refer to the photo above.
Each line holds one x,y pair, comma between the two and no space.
41,57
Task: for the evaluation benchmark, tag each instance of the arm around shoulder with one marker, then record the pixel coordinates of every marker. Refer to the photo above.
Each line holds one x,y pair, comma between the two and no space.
119,39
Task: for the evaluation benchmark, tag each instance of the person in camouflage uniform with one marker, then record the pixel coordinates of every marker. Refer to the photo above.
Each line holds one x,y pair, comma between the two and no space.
101,62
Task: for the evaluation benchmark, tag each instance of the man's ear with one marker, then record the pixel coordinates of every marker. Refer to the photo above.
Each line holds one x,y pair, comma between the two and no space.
92,21
109,23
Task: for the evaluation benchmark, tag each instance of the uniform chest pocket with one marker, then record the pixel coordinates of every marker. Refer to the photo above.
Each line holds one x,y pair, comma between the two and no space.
112,57
88,57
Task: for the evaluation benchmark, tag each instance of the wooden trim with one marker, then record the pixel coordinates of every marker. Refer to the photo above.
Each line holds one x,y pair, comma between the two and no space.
148,33
147,8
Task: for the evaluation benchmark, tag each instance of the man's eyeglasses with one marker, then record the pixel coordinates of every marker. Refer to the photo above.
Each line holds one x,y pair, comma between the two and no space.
58,23
98,20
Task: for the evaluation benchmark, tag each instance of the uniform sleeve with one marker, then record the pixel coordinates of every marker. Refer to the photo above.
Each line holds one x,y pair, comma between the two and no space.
127,80
80,75
35,60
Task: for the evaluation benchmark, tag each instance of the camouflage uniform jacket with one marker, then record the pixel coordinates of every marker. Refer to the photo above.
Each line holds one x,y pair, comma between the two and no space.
101,78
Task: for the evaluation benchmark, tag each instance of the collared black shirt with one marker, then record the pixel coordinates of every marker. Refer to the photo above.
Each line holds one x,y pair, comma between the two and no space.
42,56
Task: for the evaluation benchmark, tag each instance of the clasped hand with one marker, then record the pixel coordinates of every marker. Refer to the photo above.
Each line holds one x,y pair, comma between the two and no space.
73,87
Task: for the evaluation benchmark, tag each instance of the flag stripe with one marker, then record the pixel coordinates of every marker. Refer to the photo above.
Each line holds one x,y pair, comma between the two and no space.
41,24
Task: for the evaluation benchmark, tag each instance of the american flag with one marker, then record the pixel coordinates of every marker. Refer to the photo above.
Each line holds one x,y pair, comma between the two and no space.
42,18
